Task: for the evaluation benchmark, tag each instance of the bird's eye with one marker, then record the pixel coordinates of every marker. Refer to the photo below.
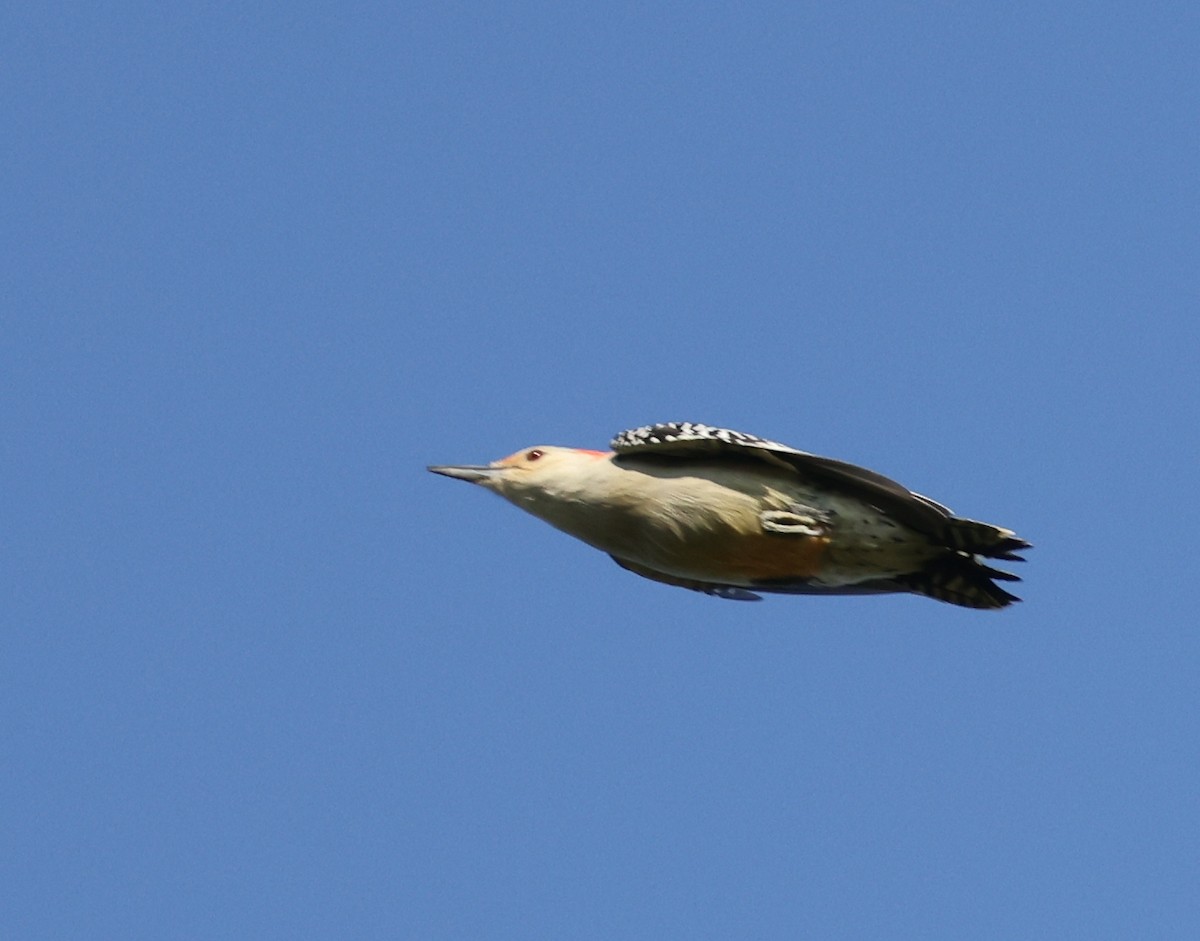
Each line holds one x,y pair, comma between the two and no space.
533,455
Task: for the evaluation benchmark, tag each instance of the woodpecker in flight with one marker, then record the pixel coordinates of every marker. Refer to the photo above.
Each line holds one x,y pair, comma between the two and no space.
730,514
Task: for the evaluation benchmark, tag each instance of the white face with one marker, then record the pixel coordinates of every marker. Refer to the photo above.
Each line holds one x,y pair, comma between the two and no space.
524,465
532,459
535,467
542,479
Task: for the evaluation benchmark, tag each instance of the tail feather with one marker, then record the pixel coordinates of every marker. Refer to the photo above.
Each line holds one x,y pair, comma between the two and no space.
959,578
995,573
976,538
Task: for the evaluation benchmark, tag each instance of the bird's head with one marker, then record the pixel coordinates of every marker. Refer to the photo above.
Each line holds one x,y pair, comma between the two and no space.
543,470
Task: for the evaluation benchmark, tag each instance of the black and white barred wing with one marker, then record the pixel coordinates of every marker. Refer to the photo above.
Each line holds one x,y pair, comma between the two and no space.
685,440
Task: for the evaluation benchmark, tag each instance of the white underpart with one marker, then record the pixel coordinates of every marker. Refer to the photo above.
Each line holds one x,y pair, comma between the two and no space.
660,515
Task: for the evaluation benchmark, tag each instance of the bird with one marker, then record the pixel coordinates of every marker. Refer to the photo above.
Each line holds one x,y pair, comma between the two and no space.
733,515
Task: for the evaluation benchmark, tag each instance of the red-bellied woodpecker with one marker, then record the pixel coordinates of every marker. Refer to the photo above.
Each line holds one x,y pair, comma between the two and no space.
730,514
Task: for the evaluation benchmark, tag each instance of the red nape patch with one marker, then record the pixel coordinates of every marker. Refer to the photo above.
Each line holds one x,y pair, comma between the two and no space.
593,453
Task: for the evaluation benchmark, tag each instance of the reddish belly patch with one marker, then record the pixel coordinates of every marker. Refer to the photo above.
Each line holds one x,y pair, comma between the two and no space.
762,557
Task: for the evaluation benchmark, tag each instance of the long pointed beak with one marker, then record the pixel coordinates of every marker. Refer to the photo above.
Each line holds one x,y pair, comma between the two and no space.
471,473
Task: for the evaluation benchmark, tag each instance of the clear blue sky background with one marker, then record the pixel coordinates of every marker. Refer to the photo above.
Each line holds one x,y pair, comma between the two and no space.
262,676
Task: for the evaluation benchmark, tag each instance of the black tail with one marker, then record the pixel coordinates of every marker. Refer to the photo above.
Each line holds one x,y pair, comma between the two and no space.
961,579
975,538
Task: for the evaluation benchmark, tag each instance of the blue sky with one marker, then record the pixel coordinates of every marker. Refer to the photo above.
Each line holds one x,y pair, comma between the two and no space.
262,676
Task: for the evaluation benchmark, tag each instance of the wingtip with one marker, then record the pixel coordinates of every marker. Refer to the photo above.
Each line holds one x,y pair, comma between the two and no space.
735,594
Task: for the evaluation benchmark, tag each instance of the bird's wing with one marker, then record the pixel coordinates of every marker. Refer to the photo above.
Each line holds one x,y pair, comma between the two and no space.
731,592
690,440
